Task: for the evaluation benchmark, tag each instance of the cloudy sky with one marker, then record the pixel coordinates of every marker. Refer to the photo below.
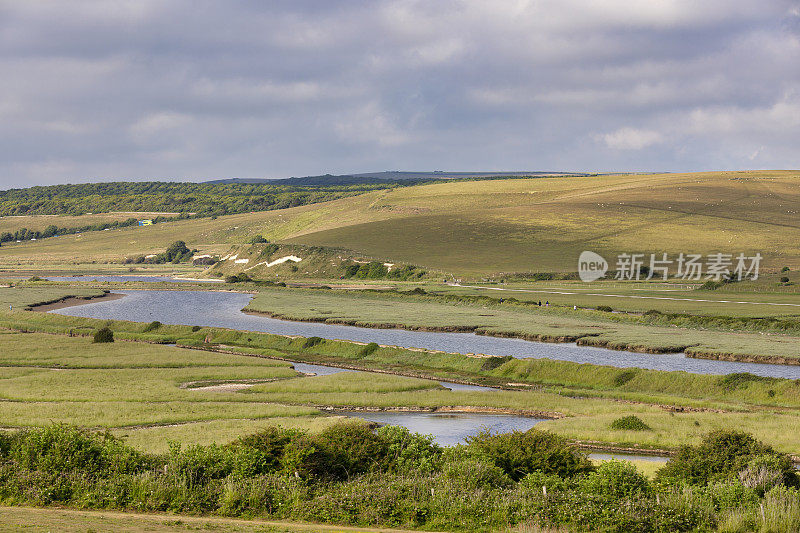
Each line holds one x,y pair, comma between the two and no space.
194,89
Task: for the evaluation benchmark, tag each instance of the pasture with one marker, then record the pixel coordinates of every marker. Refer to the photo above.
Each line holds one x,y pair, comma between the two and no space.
486,228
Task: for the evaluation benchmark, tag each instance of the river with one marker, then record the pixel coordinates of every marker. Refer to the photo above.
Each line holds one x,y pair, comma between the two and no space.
223,309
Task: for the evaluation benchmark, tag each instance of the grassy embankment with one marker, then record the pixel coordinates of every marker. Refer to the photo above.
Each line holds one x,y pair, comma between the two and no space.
482,228
117,385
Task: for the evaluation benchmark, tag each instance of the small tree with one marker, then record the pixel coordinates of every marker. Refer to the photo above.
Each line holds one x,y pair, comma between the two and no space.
103,335
176,251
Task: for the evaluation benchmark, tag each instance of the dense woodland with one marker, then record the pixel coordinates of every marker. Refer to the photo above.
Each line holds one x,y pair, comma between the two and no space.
197,199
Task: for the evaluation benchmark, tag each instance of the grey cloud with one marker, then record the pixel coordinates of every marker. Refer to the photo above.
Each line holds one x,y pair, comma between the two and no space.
200,89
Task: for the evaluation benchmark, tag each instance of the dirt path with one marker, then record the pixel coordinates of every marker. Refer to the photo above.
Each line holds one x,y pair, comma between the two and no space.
68,520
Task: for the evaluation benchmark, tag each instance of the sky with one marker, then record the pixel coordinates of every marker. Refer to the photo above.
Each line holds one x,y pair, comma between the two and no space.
195,90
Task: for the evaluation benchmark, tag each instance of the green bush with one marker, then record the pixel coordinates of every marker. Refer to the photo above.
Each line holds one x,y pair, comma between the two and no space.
476,472
740,380
103,335
720,457
349,449
258,239
630,423
490,363
152,326
241,277
605,308
784,279
763,472
624,376
60,449
520,453
537,481
311,342
615,480
368,349
407,452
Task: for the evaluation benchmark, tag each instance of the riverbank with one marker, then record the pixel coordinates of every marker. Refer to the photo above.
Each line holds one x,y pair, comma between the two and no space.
72,301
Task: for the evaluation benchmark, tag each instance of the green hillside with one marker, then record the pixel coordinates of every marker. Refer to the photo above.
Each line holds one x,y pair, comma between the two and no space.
478,228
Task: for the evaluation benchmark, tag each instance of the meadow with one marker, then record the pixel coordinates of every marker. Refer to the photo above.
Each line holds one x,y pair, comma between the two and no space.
228,427
214,396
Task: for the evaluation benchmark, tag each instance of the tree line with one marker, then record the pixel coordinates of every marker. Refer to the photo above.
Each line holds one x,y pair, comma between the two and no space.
199,199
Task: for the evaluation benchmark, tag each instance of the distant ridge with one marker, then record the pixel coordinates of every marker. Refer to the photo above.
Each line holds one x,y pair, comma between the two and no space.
389,175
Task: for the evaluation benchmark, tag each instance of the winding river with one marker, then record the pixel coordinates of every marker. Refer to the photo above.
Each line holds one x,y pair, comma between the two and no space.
223,309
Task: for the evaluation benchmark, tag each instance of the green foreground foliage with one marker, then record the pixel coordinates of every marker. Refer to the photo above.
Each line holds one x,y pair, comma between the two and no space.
351,474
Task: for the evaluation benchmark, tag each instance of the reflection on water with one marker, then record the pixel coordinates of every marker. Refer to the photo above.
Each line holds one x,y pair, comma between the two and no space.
628,457
321,370
223,309
448,429
461,386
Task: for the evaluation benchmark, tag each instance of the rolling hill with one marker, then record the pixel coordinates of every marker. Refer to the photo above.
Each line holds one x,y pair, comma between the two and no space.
475,228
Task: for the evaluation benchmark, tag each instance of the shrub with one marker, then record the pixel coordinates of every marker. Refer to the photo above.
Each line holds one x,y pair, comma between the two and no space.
490,363
520,453
152,326
350,448
624,376
535,481
720,457
730,495
409,452
615,480
103,335
177,251
784,279
368,349
195,329
311,342
241,277
258,239
785,269
630,423
477,473
62,449
604,308
763,472
740,380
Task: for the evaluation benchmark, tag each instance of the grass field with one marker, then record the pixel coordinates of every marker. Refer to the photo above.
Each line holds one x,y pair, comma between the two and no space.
152,394
486,227
768,298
